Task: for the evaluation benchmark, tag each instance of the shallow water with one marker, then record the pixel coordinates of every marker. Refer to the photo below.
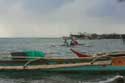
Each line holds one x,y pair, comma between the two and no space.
53,45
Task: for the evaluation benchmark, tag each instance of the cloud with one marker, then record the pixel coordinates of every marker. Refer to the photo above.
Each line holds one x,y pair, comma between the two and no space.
100,16
52,18
19,19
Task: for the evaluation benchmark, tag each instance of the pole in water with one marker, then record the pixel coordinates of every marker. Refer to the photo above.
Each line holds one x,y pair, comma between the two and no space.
122,36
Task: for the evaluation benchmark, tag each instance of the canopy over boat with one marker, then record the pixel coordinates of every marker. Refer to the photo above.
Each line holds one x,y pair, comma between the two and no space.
34,54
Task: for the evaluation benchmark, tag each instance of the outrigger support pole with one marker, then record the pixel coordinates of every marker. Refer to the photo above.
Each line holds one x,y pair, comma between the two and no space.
97,57
94,60
30,61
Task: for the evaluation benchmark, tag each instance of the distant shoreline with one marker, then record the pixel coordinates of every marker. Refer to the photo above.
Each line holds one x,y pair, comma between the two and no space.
98,36
81,36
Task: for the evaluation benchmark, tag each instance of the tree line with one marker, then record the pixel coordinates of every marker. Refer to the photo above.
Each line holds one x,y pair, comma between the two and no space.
98,36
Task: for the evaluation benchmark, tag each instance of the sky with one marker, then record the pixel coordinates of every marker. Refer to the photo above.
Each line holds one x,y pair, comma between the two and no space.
56,18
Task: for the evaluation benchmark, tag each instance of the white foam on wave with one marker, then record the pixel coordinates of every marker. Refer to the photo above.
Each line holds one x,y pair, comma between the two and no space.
111,79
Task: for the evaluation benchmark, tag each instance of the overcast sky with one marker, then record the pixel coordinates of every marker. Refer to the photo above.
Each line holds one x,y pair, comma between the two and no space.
54,18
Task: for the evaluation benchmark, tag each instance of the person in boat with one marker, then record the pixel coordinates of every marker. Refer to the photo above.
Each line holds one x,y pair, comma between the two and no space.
73,42
65,41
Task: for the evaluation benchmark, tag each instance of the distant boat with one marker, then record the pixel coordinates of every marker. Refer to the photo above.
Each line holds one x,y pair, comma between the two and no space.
79,45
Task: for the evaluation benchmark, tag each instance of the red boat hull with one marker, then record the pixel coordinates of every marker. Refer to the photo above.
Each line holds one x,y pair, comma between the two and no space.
80,54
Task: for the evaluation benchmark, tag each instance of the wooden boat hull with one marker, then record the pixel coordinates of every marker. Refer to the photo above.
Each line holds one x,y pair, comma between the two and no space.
110,54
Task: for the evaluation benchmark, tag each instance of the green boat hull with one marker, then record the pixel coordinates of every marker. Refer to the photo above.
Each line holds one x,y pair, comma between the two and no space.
91,68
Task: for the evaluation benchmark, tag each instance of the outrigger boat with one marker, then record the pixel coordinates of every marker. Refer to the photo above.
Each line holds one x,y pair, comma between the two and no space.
20,61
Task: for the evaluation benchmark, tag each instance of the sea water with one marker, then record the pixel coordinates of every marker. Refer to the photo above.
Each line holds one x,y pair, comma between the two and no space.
54,45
